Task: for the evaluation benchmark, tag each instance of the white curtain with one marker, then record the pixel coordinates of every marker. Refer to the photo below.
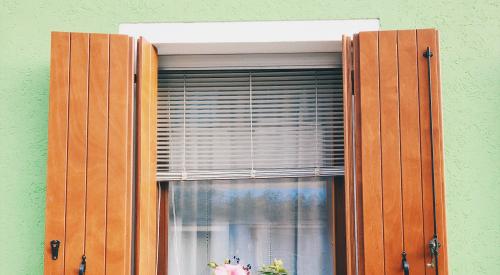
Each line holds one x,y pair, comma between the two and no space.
257,220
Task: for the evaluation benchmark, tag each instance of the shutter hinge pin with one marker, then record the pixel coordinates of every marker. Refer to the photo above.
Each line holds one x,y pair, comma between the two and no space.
405,264
54,248
83,266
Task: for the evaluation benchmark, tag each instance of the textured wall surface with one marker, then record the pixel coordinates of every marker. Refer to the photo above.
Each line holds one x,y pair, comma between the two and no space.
470,52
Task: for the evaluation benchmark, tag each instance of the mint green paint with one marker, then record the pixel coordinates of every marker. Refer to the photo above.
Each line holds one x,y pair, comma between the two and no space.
470,53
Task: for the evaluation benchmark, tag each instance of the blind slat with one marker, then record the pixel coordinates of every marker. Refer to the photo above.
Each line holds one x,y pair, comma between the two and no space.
250,124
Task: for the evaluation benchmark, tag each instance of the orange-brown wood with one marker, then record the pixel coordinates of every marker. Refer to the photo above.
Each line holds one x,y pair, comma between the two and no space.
89,201
394,67
76,188
155,195
428,38
130,157
391,161
350,244
410,151
97,154
360,252
439,159
55,218
146,189
373,229
118,223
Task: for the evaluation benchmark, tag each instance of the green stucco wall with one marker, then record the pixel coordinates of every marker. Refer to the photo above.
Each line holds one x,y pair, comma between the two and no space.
470,55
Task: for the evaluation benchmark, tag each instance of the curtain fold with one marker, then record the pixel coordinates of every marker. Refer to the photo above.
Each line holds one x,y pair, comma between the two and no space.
256,220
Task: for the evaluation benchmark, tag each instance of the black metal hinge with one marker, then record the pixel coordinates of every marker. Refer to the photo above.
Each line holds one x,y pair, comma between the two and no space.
405,264
83,266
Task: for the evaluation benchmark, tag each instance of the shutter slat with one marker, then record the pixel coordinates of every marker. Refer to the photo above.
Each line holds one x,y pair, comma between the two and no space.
97,153
55,218
77,152
390,142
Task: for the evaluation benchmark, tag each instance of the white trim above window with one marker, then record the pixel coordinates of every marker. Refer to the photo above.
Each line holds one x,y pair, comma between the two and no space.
248,37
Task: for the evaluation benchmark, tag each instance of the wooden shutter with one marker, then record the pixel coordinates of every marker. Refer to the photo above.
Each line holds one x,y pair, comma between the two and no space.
392,151
147,188
346,247
89,166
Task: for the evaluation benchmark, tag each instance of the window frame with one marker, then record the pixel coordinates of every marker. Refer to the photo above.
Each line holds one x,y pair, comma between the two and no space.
270,38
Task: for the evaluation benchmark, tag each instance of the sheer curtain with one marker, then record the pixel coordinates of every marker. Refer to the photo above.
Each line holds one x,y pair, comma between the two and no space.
257,220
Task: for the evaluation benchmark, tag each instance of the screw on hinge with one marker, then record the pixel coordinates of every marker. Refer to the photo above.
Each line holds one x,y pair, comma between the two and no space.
54,248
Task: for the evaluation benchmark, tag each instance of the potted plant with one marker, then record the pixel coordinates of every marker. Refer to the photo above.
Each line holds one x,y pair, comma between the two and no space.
233,267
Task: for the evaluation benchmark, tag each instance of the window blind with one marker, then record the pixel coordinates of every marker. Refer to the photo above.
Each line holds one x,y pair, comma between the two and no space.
231,124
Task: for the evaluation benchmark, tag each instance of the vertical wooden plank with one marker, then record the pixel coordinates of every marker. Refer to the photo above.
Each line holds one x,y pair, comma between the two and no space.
130,156
410,151
373,229
142,176
77,152
97,153
439,158
428,38
117,256
391,161
147,193
357,153
347,67
154,217
55,217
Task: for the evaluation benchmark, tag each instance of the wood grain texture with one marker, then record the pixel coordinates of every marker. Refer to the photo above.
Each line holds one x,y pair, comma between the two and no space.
373,229
403,135
130,157
391,161
89,202
410,151
76,188
97,154
360,251
428,38
146,189
439,158
155,195
118,223
55,217
350,245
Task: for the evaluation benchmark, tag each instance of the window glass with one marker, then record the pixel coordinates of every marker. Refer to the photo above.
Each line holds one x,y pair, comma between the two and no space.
257,220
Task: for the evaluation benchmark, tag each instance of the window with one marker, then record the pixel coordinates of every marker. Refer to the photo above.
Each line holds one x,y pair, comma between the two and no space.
249,157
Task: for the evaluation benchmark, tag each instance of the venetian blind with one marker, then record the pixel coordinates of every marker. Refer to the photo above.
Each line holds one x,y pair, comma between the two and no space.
231,124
